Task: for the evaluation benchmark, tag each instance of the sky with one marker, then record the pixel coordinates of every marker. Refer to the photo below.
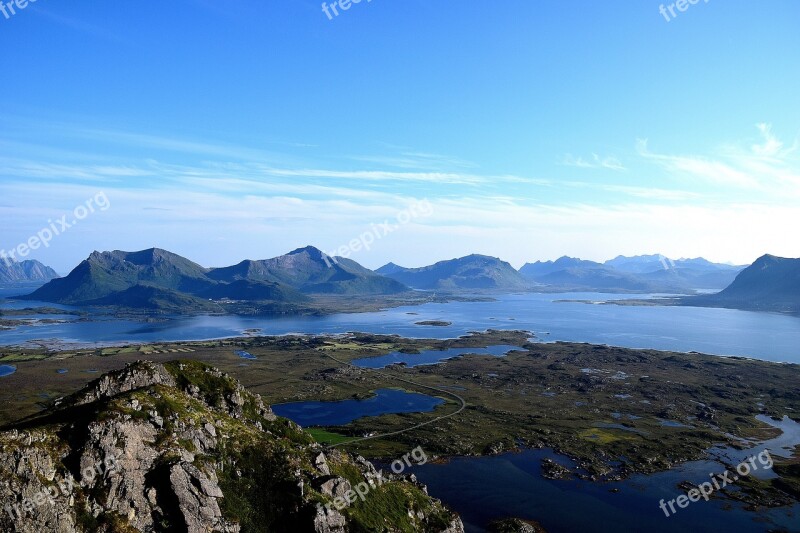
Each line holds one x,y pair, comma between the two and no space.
521,129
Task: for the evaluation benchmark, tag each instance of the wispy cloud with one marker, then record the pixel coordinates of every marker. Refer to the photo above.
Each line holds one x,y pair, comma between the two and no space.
768,166
596,161
650,193
52,171
771,146
416,160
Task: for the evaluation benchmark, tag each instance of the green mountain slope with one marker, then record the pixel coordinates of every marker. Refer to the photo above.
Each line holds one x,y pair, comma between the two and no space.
106,273
470,272
159,280
311,271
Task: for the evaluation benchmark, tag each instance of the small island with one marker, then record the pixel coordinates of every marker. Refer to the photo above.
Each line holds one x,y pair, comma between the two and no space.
438,323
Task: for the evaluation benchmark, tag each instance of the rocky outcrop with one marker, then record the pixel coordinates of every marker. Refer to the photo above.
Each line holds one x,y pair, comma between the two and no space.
515,525
183,447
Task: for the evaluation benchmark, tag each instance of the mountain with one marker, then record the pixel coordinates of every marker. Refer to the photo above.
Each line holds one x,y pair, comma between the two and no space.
698,273
603,279
645,273
640,264
106,273
253,291
470,272
770,284
156,279
181,446
543,268
390,268
570,273
30,270
151,297
310,271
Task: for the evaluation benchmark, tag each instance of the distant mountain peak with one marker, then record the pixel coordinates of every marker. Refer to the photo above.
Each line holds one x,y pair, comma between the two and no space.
24,271
312,251
473,271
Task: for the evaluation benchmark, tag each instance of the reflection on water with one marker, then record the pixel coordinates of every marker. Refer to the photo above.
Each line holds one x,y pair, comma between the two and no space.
483,489
385,401
717,331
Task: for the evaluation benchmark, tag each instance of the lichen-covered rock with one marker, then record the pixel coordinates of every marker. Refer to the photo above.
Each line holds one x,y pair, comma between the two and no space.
183,447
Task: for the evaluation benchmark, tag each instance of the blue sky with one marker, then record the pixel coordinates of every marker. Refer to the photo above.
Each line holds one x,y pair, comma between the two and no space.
244,129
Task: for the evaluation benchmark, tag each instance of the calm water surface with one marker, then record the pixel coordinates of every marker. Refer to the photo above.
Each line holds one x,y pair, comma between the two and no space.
385,401
766,336
430,357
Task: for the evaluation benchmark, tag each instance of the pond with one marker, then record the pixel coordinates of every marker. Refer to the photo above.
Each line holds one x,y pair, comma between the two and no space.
385,401
430,357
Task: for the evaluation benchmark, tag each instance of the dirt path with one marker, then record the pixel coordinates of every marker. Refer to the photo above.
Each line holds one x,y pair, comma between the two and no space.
392,377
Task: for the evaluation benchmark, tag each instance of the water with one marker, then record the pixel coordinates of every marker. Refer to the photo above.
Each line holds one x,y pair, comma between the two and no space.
385,401
7,370
766,336
483,489
430,357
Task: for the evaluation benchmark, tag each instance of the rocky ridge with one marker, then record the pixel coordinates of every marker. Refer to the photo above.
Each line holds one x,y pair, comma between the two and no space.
183,447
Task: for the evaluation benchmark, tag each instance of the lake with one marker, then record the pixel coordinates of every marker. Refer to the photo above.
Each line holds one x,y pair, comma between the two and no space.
430,357
385,401
768,336
483,489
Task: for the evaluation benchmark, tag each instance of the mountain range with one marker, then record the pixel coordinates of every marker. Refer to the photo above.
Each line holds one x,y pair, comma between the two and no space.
16,272
158,279
644,273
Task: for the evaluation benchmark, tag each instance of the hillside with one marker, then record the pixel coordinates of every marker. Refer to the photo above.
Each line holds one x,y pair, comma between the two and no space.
118,279
769,284
253,291
570,273
105,273
310,271
698,273
645,274
150,297
543,268
20,272
183,447
470,272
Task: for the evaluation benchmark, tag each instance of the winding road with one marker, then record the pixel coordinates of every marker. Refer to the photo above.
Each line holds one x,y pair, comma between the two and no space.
417,426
